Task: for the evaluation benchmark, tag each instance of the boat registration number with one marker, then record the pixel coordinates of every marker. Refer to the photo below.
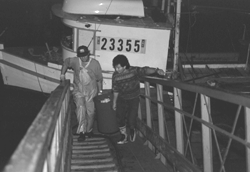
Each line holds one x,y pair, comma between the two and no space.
121,44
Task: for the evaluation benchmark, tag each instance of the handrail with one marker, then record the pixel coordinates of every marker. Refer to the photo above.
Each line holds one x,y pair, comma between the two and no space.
45,147
211,92
177,145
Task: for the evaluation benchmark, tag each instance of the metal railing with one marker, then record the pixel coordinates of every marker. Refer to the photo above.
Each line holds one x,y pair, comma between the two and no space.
179,121
195,128
47,143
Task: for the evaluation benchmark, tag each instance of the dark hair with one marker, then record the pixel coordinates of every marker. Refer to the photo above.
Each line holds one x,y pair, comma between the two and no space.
122,60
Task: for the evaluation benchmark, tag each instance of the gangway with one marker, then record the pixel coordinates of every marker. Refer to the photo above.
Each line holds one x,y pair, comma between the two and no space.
95,153
183,135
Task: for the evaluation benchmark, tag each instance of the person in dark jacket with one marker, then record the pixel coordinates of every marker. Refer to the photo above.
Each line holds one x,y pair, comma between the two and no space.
126,91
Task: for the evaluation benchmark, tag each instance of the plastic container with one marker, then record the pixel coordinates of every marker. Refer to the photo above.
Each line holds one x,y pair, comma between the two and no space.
106,118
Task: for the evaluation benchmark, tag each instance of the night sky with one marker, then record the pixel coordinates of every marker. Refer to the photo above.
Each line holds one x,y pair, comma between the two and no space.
29,22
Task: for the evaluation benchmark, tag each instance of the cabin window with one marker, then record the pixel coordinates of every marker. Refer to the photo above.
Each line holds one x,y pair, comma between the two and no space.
86,38
67,38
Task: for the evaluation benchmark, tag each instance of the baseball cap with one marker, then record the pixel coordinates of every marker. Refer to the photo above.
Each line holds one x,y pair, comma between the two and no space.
82,51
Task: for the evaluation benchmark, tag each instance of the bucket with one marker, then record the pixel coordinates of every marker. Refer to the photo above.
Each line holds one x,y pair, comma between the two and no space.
106,118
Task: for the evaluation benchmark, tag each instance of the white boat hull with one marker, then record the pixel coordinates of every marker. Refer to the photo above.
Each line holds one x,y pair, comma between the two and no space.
17,71
144,42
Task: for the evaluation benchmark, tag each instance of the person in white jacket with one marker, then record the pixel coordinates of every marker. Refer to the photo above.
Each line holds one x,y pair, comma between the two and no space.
87,84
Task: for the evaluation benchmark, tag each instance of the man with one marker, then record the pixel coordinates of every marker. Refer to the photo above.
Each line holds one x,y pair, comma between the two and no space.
87,83
126,90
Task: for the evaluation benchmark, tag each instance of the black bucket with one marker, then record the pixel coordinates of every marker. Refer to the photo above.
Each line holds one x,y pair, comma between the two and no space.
106,118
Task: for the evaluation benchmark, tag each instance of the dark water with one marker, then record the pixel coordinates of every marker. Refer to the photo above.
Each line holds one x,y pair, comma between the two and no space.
23,23
18,108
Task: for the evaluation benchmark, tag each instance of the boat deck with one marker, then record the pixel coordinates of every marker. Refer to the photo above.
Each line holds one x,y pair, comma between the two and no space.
38,54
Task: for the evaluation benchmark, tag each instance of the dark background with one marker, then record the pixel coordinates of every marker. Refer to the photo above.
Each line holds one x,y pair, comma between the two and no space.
18,108
206,25
29,22
23,23
215,28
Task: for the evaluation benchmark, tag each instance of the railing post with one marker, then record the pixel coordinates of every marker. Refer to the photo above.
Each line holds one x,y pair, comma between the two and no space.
247,133
178,121
161,119
53,150
140,116
148,110
46,142
206,134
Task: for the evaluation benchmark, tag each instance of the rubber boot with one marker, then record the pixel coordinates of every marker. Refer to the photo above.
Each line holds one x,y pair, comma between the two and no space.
124,136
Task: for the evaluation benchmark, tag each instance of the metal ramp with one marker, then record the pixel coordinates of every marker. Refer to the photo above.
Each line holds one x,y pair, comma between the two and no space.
95,154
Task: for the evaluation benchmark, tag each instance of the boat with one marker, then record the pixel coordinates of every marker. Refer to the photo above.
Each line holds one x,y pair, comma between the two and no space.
20,67
106,27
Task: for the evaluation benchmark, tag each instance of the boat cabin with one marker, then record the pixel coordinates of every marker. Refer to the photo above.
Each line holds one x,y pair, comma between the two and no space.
109,28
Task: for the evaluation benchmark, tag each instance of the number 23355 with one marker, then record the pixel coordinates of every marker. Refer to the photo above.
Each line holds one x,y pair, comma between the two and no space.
121,44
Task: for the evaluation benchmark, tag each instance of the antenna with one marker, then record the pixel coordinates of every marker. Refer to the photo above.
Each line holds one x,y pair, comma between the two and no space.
100,24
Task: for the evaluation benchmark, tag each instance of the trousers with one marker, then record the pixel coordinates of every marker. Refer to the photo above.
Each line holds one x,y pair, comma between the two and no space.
127,109
85,111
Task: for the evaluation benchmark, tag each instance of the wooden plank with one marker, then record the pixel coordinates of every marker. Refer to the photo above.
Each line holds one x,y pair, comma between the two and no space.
96,157
89,147
88,167
88,161
106,154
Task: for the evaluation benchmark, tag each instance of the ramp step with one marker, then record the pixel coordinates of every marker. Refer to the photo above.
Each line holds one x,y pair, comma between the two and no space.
108,170
89,143
89,161
96,166
93,138
90,151
94,154
91,155
89,147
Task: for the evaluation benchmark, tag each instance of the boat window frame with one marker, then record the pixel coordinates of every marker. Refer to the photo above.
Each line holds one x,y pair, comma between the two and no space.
70,38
